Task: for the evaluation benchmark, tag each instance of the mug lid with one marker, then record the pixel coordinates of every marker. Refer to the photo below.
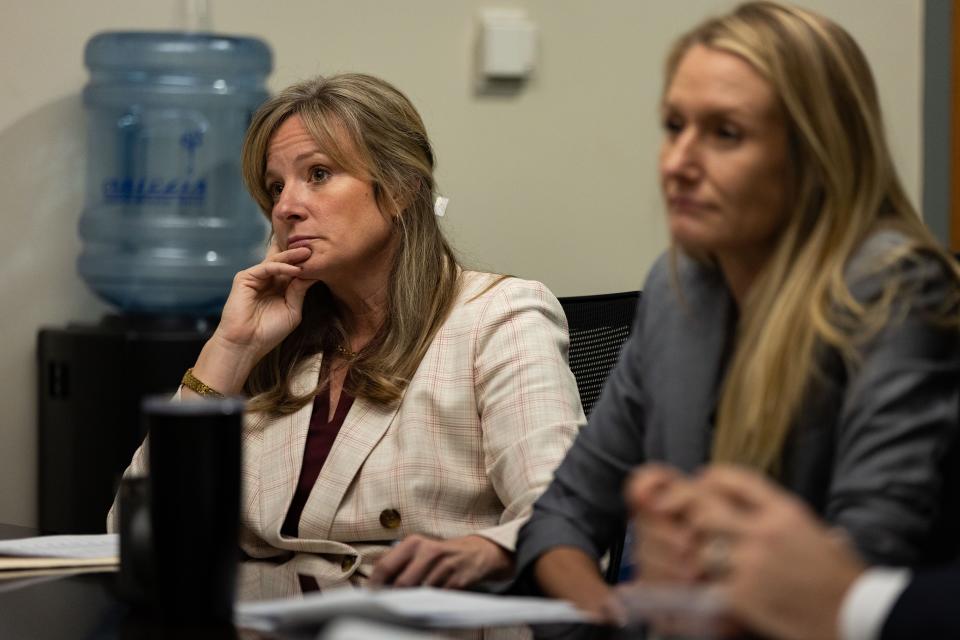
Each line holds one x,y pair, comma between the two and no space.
165,406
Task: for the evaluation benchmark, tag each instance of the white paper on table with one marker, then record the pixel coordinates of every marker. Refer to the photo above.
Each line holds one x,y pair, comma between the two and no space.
106,545
45,552
697,611
357,629
425,606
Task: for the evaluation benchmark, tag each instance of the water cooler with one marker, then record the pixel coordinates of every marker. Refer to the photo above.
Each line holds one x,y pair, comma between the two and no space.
166,224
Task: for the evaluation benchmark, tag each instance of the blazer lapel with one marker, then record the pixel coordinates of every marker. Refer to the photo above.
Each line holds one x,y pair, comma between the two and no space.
687,338
364,426
282,456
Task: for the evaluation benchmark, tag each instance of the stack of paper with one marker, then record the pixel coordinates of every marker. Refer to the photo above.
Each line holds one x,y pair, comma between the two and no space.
58,552
422,606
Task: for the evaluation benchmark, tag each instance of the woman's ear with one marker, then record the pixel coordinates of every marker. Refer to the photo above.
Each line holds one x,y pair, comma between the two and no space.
406,197
384,201
393,205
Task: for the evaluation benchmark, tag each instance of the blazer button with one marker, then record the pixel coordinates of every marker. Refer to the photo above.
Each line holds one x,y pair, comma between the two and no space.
390,518
346,563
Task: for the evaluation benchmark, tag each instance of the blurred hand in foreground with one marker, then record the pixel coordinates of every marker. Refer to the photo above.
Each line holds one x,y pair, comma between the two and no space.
775,567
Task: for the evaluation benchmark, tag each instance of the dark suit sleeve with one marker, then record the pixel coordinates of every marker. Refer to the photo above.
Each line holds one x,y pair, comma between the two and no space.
899,423
927,608
583,506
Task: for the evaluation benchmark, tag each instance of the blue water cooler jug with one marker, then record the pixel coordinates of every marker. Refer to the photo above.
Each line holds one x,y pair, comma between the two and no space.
167,222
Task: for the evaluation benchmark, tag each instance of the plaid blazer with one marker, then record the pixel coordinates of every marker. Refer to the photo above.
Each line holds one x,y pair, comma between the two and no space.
488,416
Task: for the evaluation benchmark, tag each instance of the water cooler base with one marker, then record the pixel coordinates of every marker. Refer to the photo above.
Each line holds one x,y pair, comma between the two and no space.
91,380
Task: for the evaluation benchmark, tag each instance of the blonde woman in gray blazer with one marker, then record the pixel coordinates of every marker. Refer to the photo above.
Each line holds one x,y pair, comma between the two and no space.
805,323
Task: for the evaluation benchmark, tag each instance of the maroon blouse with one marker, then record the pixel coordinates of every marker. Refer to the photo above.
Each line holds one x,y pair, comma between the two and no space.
320,439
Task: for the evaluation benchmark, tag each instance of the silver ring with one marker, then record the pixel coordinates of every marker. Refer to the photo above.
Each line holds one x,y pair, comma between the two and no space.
715,556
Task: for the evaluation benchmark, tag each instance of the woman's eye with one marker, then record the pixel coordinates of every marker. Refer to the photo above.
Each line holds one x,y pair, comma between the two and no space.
729,133
672,125
274,189
319,174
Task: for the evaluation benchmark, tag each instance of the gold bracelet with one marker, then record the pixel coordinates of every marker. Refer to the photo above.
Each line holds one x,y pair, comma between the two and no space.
191,382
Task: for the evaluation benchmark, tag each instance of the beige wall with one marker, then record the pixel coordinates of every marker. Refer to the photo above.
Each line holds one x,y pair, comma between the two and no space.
556,183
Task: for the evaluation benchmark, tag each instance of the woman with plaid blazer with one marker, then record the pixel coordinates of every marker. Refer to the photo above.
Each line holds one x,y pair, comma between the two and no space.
393,395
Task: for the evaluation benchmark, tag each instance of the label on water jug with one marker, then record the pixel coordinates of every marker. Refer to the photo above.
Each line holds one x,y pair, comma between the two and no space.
185,190
154,191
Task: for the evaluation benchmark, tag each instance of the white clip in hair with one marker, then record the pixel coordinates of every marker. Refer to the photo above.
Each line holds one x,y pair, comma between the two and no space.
440,206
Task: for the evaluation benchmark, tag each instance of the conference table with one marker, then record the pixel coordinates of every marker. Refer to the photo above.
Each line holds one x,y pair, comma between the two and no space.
87,606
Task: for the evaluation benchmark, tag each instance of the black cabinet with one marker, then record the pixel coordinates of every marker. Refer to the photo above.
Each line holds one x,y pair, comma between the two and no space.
91,381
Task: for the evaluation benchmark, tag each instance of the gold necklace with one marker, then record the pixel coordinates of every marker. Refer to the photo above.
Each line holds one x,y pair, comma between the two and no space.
346,353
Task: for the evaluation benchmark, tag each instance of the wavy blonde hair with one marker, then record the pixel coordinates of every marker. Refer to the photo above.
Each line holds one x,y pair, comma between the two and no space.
372,130
843,186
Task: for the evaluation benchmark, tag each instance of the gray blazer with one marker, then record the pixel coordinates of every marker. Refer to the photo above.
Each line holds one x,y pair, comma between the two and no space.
871,450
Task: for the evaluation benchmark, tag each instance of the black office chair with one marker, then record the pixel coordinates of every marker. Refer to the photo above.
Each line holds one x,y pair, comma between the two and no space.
599,325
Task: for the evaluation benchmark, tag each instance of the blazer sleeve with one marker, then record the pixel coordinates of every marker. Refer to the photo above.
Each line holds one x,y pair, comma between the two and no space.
527,397
584,506
899,420
137,467
927,608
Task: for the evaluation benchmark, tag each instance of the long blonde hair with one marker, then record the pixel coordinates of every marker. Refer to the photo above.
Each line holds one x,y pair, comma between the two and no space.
843,187
372,130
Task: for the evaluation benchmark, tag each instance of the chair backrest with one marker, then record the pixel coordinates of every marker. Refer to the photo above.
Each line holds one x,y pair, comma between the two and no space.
599,325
